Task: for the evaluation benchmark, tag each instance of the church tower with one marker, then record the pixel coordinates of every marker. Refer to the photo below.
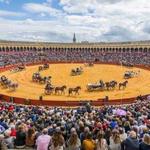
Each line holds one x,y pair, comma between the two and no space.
74,38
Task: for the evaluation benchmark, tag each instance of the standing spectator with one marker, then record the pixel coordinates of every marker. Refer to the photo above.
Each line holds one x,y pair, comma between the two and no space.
131,143
43,140
145,145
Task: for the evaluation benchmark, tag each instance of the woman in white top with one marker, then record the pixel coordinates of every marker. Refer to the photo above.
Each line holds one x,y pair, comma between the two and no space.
74,142
123,135
115,141
101,143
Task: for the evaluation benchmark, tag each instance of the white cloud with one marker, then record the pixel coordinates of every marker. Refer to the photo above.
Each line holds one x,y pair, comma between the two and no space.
42,9
4,13
92,20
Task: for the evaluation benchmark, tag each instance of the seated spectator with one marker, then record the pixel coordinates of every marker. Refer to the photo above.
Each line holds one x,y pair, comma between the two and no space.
30,138
2,143
20,138
74,142
101,143
43,140
9,140
123,135
58,142
115,141
89,143
145,145
13,131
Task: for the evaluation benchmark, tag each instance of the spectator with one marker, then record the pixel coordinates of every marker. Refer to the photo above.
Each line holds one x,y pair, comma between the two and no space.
115,141
74,142
20,138
101,143
30,138
58,142
2,143
9,140
89,143
43,141
131,143
145,145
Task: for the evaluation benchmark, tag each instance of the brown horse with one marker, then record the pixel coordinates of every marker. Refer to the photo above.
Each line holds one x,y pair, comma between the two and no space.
74,90
60,89
124,84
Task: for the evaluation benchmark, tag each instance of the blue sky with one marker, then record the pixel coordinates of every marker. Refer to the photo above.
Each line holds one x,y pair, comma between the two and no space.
91,20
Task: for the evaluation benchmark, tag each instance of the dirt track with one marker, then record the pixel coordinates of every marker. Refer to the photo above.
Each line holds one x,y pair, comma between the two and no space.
61,76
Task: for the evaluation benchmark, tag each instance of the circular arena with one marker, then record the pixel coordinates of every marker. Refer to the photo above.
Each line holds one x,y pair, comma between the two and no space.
100,65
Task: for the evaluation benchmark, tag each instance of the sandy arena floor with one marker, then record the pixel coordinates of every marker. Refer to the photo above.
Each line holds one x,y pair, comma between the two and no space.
61,76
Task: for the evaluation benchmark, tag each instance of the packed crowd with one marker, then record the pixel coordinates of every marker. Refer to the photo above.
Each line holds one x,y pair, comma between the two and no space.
82,128
7,58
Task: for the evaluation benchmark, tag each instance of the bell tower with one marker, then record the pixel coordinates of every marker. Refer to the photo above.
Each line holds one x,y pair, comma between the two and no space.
74,38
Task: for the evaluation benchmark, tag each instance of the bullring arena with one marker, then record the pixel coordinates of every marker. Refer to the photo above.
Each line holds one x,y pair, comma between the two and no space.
61,65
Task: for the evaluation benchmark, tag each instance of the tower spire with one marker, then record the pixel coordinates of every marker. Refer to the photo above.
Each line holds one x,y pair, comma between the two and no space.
74,38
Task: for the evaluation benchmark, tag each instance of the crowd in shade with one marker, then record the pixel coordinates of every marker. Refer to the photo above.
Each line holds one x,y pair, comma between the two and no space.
31,56
120,127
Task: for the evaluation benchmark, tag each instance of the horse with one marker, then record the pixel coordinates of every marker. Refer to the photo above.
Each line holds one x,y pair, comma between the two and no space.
113,84
107,84
61,89
75,90
124,84
13,86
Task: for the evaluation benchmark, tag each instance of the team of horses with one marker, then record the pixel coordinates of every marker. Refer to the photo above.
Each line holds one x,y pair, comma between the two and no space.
111,85
7,83
50,89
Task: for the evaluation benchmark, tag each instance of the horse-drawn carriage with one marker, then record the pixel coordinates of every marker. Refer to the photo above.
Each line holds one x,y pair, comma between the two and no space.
96,86
44,67
77,71
127,64
36,77
49,89
131,74
18,68
6,83
89,64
